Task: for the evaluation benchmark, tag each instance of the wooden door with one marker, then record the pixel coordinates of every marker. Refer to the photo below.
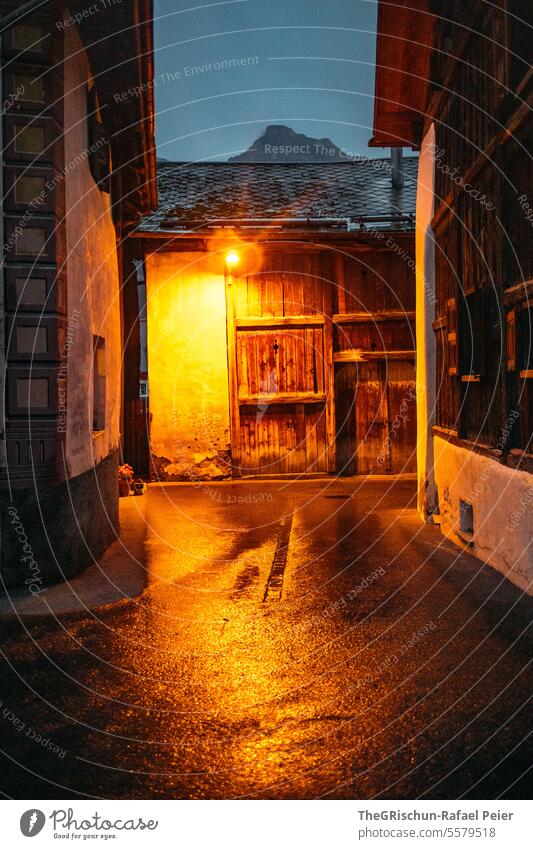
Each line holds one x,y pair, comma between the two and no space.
345,382
371,419
401,394
280,364
281,398
282,439
376,417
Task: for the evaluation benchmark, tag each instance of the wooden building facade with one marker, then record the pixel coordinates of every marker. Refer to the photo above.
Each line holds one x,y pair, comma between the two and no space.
469,110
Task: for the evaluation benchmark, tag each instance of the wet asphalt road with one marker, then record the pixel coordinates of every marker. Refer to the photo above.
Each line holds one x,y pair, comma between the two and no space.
295,640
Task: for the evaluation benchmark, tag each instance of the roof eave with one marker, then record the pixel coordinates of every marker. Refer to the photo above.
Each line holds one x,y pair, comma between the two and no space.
405,34
121,53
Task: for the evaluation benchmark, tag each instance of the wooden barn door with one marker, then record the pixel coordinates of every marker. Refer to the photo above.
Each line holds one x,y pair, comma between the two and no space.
280,363
372,419
374,341
376,417
401,400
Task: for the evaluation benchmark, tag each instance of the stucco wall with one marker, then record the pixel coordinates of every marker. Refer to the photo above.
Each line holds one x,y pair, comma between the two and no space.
187,365
502,501
425,335
92,278
57,532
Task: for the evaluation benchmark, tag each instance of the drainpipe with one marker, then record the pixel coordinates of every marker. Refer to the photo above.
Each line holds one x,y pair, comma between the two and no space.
396,171
17,15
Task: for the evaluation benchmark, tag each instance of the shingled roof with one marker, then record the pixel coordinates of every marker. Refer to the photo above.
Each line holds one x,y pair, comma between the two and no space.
346,194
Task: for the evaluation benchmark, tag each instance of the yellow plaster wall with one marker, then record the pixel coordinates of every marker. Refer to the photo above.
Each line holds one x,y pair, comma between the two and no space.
425,336
187,362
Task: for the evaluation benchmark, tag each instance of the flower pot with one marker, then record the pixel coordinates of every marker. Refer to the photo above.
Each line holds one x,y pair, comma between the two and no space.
123,487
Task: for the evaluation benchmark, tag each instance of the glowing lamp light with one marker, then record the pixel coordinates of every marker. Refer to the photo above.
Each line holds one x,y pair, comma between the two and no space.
232,259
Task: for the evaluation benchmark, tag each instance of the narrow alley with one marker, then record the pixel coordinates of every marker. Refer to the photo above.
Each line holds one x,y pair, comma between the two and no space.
291,641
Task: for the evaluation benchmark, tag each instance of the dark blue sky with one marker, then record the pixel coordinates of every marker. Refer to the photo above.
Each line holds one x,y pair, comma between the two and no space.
309,65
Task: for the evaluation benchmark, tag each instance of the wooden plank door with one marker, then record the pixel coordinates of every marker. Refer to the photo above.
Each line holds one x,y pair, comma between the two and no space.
281,399
376,417
345,383
282,439
371,420
280,359
401,391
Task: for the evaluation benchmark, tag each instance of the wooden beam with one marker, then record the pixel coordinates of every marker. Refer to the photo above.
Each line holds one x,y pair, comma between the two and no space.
329,370
518,291
283,398
280,321
357,356
340,283
353,242
440,323
231,338
358,317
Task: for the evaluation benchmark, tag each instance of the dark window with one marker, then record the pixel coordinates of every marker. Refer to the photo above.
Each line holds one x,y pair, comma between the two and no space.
99,383
524,342
466,517
472,334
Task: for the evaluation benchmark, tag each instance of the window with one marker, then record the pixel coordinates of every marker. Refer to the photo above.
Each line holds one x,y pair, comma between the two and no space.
31,88
99,383
466,520
143,389
32,393
30,189
525,341
472,334
29,139
473,329
520,371
31,340
27,37
30,291
32,240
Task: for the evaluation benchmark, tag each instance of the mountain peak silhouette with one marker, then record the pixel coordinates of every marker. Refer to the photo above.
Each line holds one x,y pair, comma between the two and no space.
280,143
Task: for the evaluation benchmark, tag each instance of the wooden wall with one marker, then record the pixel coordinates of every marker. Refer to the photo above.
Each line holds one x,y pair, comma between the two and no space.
484,261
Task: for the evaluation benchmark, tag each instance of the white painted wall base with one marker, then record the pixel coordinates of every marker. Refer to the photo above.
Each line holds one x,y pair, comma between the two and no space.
502,501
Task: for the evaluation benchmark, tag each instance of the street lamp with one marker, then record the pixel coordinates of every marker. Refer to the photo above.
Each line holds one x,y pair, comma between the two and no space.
232,259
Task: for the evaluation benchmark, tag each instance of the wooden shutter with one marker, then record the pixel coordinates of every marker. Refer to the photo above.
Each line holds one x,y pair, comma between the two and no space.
511,341
452,336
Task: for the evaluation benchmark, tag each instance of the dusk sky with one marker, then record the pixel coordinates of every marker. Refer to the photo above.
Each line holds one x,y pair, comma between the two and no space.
307,64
